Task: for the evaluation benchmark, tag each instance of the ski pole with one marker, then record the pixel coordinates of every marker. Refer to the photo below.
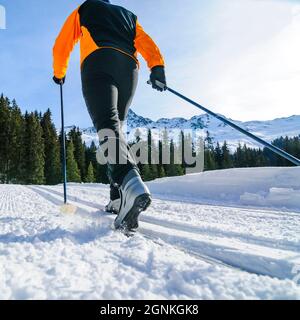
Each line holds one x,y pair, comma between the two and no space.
63,144
65,208
268,145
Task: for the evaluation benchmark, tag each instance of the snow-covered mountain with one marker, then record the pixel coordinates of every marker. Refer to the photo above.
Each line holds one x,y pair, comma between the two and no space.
220,132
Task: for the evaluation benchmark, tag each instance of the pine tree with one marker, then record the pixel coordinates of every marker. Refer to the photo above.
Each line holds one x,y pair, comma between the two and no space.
189,151
153,156
161,171
146,172
260,161
99,170
226,161
173,169
90,176
52,169
154,171
180,149
165,150
90,155
209,141
34,150
153,152
246,156
79,150
73,173
4,138
16,143
218,157
296,150
149,142
210,163
239,161
161,167
101,174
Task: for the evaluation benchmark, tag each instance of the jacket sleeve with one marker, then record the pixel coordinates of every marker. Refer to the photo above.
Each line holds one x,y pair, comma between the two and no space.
147,48
64,44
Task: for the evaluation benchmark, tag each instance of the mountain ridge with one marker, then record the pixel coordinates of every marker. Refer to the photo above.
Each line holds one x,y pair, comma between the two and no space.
219,132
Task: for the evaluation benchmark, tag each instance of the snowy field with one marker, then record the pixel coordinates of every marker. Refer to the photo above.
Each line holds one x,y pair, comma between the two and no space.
232,234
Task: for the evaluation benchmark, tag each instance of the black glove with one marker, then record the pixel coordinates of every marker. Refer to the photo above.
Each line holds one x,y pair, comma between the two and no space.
158,74
59,81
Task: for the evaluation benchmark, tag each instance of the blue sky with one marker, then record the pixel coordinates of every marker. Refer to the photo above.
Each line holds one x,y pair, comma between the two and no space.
239,57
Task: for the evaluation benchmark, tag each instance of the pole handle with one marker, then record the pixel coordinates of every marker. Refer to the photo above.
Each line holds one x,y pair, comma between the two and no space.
158,83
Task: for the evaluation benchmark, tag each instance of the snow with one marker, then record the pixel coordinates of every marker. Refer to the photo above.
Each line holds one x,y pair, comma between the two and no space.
192,243
261,187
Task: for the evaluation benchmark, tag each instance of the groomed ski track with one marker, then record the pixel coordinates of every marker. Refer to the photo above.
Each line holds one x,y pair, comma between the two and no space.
191,233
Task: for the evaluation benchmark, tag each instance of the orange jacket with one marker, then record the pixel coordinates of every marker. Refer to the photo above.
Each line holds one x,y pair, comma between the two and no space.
101,25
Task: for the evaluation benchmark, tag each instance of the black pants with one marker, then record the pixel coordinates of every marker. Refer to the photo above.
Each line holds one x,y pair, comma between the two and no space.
109,81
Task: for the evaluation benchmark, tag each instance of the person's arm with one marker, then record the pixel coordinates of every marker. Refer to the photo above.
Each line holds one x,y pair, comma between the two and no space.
147,48
64,45
151,53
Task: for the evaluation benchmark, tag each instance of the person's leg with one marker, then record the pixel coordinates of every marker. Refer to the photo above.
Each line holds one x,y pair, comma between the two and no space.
125,73
135,196
101,96
109,82
126,90
127,87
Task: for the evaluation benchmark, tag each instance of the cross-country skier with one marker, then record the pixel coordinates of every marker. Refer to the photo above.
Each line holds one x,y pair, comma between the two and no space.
110,38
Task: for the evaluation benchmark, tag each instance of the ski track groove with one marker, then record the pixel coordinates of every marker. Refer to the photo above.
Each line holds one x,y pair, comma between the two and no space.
7,203
182,226
266,211
188,246
149,235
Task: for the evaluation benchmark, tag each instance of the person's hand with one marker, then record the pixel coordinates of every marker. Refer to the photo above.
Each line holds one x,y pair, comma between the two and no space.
59,81
158,74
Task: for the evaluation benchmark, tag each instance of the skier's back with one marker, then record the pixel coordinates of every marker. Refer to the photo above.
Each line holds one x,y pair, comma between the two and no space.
111,37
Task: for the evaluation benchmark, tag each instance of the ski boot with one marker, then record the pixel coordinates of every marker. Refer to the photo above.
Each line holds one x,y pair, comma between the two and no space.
135,198
115,200
113,206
